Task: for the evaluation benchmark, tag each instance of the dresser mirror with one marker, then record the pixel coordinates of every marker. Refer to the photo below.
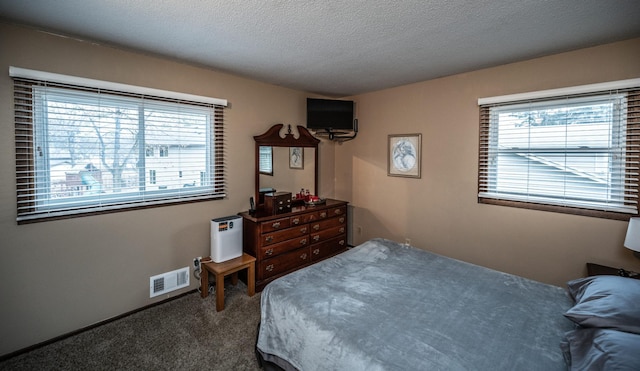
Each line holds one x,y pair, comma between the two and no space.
286,175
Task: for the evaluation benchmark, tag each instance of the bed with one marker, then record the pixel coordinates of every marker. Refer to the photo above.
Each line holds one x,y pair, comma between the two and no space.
389,306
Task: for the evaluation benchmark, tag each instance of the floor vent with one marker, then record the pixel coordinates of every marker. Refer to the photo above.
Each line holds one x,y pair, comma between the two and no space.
167,282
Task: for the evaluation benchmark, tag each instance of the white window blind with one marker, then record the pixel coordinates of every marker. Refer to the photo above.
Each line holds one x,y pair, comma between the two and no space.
266,160
574,153
82,150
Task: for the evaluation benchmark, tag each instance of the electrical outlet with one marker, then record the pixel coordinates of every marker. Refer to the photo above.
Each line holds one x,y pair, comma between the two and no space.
407,241
196,262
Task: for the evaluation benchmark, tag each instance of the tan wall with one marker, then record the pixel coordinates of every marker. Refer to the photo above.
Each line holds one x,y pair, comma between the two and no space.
56,277
439,212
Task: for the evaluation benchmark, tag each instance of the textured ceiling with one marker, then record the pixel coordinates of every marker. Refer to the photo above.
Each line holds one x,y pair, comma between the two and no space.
337,47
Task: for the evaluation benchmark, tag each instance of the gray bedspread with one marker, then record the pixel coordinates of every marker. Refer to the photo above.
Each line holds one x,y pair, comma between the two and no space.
387,306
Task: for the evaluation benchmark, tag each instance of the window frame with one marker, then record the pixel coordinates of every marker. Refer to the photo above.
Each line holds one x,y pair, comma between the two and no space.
630,88
29,163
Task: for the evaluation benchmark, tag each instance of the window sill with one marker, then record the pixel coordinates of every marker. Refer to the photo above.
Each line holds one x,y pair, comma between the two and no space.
557,209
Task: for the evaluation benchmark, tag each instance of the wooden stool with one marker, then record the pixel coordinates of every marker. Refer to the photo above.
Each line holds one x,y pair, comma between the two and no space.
223,269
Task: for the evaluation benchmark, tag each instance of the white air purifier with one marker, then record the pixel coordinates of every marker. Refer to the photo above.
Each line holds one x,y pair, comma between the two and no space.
226,238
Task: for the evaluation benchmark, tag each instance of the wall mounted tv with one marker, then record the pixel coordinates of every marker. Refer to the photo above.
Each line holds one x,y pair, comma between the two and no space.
329,114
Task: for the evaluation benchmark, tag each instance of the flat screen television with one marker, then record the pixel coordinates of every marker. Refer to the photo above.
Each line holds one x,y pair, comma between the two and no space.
329,114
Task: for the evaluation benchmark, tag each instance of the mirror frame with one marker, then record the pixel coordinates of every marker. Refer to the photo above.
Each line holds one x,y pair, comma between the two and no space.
272,138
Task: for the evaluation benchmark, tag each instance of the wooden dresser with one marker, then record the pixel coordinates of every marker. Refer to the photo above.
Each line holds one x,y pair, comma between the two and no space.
283,243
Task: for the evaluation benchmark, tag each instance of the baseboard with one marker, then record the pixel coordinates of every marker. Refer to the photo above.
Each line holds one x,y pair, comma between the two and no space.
98,324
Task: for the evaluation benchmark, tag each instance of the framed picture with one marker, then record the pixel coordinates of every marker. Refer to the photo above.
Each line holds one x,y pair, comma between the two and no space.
296,157
403,155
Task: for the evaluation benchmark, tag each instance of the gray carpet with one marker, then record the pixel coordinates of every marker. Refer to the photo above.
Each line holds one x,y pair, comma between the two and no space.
183,334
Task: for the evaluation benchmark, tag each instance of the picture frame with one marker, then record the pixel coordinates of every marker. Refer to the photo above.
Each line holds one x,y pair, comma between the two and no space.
296,157
404,155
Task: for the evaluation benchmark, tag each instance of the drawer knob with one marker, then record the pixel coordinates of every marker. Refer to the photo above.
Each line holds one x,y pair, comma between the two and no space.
303,241
323,214
276,224
303,230
338,211
316,251
268,238
296,221
316,227
269,267
341,220
341,243
316,237
269,252
342,230
303,256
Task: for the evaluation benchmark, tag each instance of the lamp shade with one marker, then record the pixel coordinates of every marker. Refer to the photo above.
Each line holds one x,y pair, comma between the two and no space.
632,241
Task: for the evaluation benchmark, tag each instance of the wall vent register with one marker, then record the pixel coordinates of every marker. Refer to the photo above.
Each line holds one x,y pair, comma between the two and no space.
169,281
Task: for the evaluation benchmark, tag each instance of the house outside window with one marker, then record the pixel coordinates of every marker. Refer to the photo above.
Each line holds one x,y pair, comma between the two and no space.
572,154
64,129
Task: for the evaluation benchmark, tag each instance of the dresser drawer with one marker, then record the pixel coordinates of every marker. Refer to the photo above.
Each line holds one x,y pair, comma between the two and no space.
269,251
302,219
328,248
328,223
329,213
283,263
337,211
277,202
327,234
274,225
279,236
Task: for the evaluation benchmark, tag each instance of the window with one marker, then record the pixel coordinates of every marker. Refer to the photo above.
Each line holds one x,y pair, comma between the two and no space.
266,160
152,177
81,148
575,153
164,151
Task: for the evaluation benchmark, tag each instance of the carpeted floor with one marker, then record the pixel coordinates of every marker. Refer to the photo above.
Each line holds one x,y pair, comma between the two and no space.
183,334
